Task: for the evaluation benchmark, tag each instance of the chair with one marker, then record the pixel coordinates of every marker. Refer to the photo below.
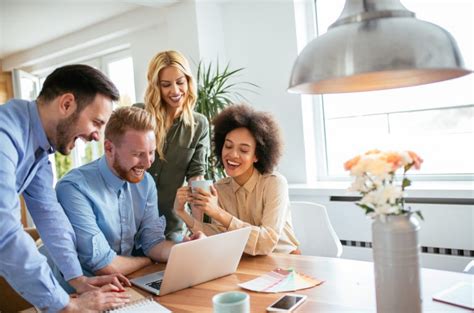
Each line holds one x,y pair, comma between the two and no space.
314,230
10,300
469,267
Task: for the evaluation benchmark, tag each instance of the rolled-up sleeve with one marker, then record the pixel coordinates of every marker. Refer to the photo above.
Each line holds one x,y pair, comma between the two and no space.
25,269
197,165
152,229
93,248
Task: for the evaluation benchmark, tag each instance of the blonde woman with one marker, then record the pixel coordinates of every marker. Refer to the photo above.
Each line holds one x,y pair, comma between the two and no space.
182,142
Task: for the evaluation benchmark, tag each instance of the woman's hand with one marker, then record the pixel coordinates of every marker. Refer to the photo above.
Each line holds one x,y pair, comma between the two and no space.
206,202
195,236
183,195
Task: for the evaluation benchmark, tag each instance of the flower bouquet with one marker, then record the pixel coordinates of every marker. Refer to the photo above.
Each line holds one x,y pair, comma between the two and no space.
395,245
374,173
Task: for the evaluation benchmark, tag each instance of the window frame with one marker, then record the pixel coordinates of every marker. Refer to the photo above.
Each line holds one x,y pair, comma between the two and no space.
318,172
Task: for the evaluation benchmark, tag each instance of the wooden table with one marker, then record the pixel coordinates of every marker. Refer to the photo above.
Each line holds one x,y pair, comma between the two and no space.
348,286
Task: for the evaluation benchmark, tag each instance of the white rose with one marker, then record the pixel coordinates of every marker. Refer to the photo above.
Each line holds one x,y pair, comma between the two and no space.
359,184
383,199
390,193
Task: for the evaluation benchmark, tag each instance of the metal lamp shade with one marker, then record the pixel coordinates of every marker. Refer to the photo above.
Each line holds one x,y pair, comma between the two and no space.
373,48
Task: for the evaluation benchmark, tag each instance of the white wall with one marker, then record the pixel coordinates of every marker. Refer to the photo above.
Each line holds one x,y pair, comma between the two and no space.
176,31
261,36
211,36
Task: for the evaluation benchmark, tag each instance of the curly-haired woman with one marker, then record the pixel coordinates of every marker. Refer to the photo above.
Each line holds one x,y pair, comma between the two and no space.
248,145
182,142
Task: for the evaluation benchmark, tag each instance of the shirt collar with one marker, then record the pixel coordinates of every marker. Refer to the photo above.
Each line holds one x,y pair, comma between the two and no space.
110,178
249,185
38,130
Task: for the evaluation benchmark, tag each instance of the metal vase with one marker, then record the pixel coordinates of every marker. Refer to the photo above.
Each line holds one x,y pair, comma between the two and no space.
396,263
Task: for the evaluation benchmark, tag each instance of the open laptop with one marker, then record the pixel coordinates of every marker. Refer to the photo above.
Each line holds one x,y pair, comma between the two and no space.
198,261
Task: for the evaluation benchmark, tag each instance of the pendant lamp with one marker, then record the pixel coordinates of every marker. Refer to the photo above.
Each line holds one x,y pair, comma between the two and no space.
374,45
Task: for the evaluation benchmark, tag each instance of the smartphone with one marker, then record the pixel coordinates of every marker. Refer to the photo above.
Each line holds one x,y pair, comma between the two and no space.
287,303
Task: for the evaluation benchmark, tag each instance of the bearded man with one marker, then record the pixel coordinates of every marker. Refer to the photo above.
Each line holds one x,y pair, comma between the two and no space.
112,201
75,102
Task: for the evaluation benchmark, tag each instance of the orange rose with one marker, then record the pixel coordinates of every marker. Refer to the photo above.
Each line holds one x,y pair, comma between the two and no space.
349,164
395,159
416,160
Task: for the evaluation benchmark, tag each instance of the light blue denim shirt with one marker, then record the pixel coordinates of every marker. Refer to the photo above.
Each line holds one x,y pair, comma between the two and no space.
109,215
25,169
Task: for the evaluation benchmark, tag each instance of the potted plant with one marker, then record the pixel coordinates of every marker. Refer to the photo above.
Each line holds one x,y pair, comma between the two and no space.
216,89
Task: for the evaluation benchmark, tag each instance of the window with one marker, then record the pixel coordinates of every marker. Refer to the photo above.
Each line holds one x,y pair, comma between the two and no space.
119,68
25,85
435,120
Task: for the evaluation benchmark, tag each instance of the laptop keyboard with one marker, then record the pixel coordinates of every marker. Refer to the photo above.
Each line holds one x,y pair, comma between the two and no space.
155,284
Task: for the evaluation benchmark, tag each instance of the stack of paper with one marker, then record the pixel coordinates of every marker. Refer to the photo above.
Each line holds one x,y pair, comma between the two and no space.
280,280
461,294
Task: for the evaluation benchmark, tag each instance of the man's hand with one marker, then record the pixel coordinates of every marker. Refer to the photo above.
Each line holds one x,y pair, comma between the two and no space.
83,284
105,298
196,235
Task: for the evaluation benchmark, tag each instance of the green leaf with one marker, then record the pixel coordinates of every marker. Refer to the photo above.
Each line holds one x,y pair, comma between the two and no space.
405,183
364,206
216,90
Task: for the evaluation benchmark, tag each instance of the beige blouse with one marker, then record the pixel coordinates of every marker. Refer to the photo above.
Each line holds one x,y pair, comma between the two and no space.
261,203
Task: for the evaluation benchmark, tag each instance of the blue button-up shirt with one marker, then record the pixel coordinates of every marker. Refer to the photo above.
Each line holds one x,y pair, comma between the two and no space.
25,169
109,215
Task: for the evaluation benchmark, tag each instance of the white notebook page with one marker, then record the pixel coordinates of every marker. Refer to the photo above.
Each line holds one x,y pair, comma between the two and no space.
143,305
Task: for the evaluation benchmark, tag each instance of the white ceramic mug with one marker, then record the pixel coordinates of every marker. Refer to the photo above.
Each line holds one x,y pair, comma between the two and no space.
204,184
231,302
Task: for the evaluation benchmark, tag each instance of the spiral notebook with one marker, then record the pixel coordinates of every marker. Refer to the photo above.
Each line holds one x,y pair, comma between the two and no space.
139,303
142,305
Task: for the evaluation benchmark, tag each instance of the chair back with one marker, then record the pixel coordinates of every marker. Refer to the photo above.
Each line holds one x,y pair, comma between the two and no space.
10,300
469,267
314,230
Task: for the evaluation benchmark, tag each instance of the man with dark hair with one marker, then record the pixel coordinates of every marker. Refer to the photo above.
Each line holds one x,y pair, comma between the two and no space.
75,102
83,85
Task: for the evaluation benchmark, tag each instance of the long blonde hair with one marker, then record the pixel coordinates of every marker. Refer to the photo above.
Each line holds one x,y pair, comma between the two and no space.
153,102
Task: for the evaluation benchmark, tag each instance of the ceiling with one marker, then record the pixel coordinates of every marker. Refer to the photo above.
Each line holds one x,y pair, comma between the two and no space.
27,23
